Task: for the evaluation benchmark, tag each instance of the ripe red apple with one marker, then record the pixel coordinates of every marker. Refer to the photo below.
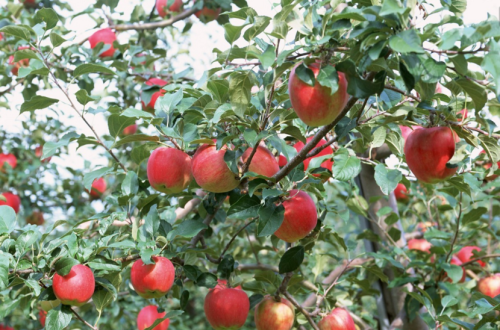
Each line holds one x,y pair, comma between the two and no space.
419,244
465,254
169,170
39,153
161,7
300,217
328,163
405,130
29,3
455,261
42,316
282,161
98,187
263,162
148,315
152,281
5,327
427,152
130,130
401,193
207,14
274,315
154,82
226,308
211,172
36,218
9,159
338,319
106,36
22,63
315,105
490,286
76,288
12,200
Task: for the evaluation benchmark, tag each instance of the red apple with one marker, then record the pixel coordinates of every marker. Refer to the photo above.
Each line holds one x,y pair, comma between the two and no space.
152,281
211,172
9,159
338,319
486,166
208,14
427,152
22,63
169,170
462,114
130,130
148,315
405,130
39,153
263,162
161,7
5,327
274,315
282,161
154,82
455,261
419,244
439,88
29,3
98,188
42,316
328,163
76,288
226,308
490,286
300,217
12,200
36,218
401,193
465,254
315,105
106,36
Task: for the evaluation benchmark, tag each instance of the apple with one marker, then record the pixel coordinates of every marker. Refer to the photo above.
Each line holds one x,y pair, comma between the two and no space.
486,166
5,327
465,254
226,308
169,170
419,244
315,105
428,151
148,315
150,107
161,7
338,319
98,187
42,316
22,63
208,14
405,130
36,218
263,162
12,200
29,3
152,281
9,159
327,164
490,286
401,193
462,114
300,218
76,288
39,153
439,88
106,36
455,261
274,315
130,130
211,172
282,161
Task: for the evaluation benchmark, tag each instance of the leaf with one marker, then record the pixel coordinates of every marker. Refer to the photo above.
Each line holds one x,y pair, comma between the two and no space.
58,318
475,91
261,22
328,77
130,185
4,269
7,219
95,174
232,32
47,15
408,78
83,97
292,259
116,124
152,222
345,165
379,136
56,40
169,101
406,41
387,179
106,284
187,228
392,7
240,84
50,148
17,31
474,215
207,280
91,68
21,54
37,102
244,208
270,218
267,57
26,240
491,64
305,74
135,113
226,266
63,266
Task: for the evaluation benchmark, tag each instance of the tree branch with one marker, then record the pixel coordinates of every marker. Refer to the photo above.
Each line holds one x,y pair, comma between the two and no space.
300,309
155,25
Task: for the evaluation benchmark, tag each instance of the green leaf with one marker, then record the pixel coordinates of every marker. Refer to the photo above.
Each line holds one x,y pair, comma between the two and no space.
187,228
116,124
270,218
329,77
168,102
207,280
292,259
219,89
96,174
91,68
305,74
50,148
17,31
7,219
4,268
406,41
392,7
379,136
25,53
47,15
56,39
58,318
130,185
135,113
244,208
232,32
83,97
345,165
63,266
26,240
240,84
387,179
267,57
358,204
261,23
37,102
492,65
475,91
474,215
106,284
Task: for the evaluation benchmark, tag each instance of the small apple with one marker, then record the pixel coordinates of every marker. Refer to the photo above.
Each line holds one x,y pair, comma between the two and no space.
42,316
300,218
211,172
419,244
148,315
428,151
338,319
455,261
315,105
36,218
29,3
208,14
12,200
7,159
76,288
327,164
486,166
130,130
226,308
39,153
282,161
490,286
401,193
22,63
150,107
98,187
274,315
263,162
161,7
169,170
466,254
152,281
106,36
5,327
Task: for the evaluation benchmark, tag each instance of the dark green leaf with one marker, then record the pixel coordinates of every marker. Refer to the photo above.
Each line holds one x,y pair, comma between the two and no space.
292,259
37,102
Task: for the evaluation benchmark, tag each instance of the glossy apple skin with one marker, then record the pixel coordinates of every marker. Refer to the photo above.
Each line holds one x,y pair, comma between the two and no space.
327,164
465,254
211,172
270,314
282,161
106,36
9,159
22,63
29,3
300,218
401,193
76,288
150,107
263,162
419,244
226,308
98,188
152,281
490,286
427,151
161,7
313,104
12,200
42,317
207,14
169,170
405,130
457,262
36,218
148,315
130,130
338,319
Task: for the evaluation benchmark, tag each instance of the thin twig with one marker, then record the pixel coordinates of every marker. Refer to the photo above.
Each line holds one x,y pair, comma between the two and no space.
80,318
155,25
234,237
456,230
300,309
